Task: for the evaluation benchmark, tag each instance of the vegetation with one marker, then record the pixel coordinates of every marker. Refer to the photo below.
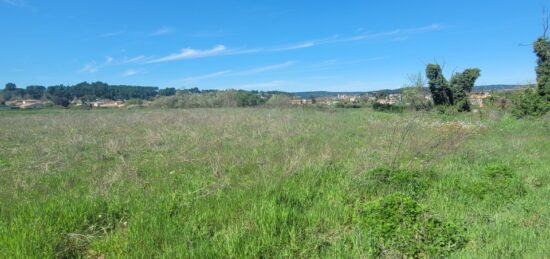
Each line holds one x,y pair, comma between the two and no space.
250,183
537,103
453,92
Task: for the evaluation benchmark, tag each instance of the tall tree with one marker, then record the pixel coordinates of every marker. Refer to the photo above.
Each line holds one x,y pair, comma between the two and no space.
454,92
439,87
10,87
542,50
461,84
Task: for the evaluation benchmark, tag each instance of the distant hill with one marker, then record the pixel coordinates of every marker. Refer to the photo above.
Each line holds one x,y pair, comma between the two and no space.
317,94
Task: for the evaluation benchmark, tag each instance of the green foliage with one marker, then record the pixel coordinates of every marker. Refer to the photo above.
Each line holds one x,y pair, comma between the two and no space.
10,87
36,91
542,50
215,99
269,183
347,105
529,103
167,92
439,87
414,94
455,92
279,100
496,186
383,181
247,99
385,107
461,84
397,226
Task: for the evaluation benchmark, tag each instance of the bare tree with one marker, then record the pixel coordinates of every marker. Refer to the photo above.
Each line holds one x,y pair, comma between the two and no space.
545,17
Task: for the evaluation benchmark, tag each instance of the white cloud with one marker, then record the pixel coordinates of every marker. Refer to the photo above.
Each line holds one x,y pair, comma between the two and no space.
132,60
19,3
189,53
163,30
264,69
93,66
130,72
228,73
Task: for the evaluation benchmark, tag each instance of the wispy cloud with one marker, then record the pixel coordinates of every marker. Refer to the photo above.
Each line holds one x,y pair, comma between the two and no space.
264,69
306,44
163,31
222,50
189,53
129,72
231,73
19,3
398,34
94,66
137,59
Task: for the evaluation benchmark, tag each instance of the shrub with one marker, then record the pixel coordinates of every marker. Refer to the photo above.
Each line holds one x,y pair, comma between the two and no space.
529,103
496,186
397,226
382,107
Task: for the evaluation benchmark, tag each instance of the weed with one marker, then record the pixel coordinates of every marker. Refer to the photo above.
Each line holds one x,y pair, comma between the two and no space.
397,226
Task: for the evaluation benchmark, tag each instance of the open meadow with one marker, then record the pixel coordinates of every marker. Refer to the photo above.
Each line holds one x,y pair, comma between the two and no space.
272,183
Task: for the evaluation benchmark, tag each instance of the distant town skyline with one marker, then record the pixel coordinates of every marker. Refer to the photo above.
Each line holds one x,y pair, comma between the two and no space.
265,45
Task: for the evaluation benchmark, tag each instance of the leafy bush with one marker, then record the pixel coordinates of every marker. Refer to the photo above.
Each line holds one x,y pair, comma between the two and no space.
397,226
382,107
529,103
348,105
497,186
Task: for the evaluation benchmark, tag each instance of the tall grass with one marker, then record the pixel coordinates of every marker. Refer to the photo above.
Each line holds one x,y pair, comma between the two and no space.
269,183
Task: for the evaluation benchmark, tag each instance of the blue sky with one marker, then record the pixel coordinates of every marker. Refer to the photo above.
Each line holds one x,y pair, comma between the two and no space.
265,45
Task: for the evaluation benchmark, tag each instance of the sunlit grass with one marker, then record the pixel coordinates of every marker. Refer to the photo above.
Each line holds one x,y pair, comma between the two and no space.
264,182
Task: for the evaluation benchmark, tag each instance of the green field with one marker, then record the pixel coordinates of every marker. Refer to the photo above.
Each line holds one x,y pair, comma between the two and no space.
264,183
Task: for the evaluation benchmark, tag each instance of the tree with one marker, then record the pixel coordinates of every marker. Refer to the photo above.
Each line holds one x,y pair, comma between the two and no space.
414,93
167,92
531,103
36,91
10,87
542,50
439,87
461,84
454,92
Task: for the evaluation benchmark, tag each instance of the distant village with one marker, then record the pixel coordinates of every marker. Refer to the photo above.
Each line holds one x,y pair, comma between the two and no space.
26,104
477,99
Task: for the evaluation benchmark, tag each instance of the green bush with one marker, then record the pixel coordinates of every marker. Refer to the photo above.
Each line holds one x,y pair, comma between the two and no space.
529,103
497,186
387,107
397,226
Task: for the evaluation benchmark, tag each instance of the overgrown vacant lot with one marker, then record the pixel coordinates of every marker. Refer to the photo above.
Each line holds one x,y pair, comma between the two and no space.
272,183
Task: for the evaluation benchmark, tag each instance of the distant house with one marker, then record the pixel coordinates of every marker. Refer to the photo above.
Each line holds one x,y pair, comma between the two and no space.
478,99
28,104
107,104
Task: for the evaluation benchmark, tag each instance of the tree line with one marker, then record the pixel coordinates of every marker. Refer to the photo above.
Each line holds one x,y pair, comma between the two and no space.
168,97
